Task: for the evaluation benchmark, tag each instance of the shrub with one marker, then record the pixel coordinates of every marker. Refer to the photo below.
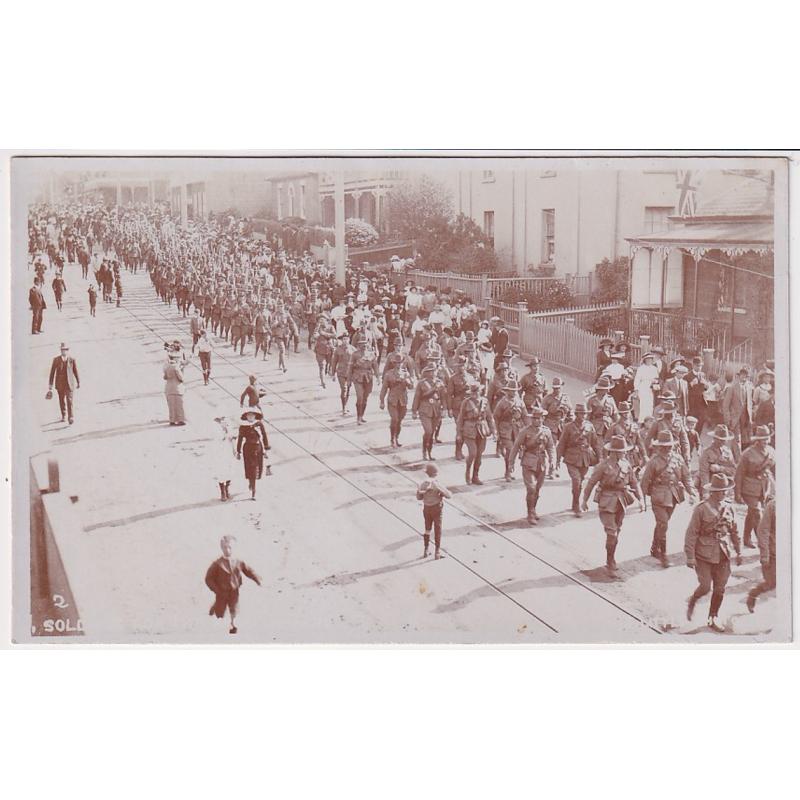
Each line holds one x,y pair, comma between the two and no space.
556,294
358,233
611,280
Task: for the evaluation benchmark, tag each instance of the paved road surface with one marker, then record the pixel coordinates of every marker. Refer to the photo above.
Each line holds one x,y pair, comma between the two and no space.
336,531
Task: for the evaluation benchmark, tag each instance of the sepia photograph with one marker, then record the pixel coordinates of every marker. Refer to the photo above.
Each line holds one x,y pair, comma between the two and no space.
413,400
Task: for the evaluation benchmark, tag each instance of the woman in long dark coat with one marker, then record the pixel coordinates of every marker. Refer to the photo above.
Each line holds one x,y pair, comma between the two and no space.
253,443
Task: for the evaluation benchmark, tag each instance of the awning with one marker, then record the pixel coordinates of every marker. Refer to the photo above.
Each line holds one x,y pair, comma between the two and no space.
731,238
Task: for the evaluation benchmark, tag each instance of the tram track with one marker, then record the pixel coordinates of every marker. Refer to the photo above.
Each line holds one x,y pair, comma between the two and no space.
478,521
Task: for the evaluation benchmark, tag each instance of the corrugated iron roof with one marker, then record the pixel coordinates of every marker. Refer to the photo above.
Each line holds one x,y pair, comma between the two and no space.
712,235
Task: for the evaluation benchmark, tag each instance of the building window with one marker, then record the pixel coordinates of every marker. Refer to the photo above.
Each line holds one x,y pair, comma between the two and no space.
548,235
488,226
290,192
488,176
303,200
656,218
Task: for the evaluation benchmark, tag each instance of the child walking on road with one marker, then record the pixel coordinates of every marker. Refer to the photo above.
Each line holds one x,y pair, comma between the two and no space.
224,577
432,494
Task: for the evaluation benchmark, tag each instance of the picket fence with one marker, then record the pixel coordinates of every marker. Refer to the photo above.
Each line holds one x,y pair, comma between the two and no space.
481,288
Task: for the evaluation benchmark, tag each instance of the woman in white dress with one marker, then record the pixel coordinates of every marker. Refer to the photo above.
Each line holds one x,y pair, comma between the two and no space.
224,457
646,375
485,351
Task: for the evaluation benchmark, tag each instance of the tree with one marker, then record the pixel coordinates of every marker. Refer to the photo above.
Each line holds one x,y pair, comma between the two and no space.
417,209
358,233
611,280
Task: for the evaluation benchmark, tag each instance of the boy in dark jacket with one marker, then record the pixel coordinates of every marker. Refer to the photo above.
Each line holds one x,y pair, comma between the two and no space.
224,577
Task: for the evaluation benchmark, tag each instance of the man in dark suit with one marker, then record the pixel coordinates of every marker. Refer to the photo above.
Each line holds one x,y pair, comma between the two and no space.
678,386
38,305
698,386
499,336
64,376
737,410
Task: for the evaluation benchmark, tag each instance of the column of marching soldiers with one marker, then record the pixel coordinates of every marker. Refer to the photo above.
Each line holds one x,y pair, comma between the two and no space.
441,368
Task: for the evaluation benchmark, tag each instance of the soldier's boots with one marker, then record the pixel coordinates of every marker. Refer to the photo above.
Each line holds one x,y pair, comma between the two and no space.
475,477
611,549
576,503
459,450
532,518
427,540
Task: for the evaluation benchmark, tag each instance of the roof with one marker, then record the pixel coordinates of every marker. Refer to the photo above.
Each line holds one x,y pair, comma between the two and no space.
745,198
729,236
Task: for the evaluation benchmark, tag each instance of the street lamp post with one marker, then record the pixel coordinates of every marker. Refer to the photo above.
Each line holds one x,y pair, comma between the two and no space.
338,196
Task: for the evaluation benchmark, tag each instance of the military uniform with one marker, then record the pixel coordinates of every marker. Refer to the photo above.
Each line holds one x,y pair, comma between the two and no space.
601,408
509,420
340,364
579,447
675,426
630,431
457,388
533,387
538,454
473,426
428,404
616,488
716,458
666,479
766,547
711,540
396,383
754,480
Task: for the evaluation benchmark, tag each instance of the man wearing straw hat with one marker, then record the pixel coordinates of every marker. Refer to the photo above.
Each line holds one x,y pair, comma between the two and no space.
711,540
535,442
754,480
667,480
717,457
579,447
616,489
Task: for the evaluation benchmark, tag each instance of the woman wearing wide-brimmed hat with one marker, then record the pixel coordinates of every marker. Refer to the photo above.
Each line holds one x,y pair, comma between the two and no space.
712,539
616,489
253,443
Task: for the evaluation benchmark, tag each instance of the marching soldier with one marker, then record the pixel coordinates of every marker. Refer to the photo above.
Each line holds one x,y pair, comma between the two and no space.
509,420
754,480
616,489
669,421
711,540
535,442
323,346
340,363
667,480
629,429
559,411
601,407
579,447
363,369
396,383
497,385
766,547
717,457
59,288
474,426
457,388
427,406
261,330
533,385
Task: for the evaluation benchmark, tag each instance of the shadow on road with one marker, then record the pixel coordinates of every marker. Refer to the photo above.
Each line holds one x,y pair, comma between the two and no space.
158,512
110,432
